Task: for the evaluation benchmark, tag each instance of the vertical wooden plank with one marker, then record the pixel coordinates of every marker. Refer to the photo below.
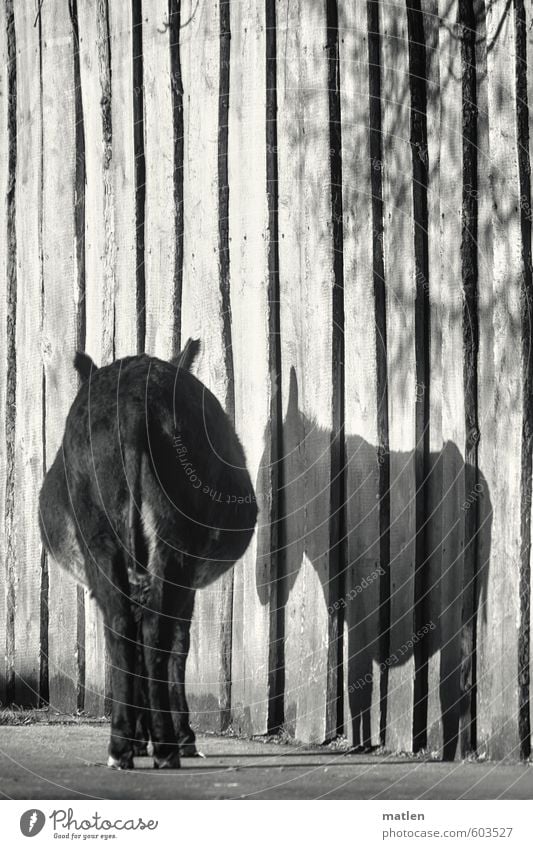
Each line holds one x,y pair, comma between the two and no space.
362,584
453,413
417,53
499,737
60,309
79,227
250,309
435,526
99,262
11,353
528,70
162,308
378,261
4,177
523,20
175,27
202,316
400,282
337,523
486,390
123,175
28,428
306,284
277,631
140,170
469,268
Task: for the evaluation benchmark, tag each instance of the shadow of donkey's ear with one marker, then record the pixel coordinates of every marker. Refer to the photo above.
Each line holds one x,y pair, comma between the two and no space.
84,365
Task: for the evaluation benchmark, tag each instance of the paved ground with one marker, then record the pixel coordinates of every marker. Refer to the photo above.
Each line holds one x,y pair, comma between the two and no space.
68,762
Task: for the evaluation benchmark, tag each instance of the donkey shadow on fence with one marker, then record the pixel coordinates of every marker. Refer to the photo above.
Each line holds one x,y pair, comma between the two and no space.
371,642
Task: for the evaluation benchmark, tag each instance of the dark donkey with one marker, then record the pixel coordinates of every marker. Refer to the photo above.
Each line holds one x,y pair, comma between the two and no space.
147,500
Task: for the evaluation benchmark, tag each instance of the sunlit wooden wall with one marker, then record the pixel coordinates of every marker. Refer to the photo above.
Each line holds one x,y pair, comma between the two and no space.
335,197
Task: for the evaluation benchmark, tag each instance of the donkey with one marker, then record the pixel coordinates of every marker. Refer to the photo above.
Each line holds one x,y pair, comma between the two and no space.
147,500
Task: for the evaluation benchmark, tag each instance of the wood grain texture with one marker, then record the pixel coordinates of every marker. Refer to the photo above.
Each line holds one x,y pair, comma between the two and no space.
400,283
362,581
523,119
74,240
99,263
306,283
207,681
417,53
500,738
162,310
4,177
251,313
486,384
453,411
29,396
11,349
60,316
435,504
123,175
473,480
528,70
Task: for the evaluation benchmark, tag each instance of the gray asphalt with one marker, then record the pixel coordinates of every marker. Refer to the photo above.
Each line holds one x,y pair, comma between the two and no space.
68,762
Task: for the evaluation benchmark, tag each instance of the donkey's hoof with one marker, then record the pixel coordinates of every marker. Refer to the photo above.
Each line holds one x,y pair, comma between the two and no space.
124,762
170,762
189,750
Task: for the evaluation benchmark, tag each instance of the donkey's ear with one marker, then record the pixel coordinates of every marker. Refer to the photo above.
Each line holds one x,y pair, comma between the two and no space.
187,356
84,365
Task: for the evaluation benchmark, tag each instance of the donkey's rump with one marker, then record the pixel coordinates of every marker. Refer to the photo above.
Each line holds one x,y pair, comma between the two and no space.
147,499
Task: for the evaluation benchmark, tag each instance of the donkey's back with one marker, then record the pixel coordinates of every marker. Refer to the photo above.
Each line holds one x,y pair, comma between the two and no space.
149,454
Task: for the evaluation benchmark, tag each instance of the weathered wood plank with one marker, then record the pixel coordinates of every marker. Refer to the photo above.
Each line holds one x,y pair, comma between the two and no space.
417,52
250,309
140,171
123,174
486,393
524,86
362,582
498,735
162,303
202,316
306,290
11,352
4,178
435,526
99,262
400,282
528,70
473,481
60,316
29,396
453,411
376,155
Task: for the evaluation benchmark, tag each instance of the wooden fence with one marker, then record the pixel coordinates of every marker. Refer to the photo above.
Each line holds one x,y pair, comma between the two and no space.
335,196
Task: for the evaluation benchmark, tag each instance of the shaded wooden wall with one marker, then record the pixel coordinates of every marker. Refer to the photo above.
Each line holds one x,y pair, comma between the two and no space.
335,196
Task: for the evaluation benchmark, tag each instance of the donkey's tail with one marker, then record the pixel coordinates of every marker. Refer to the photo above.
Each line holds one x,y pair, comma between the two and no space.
136,553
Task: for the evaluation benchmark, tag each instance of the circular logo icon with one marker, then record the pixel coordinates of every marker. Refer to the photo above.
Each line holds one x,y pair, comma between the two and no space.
32,822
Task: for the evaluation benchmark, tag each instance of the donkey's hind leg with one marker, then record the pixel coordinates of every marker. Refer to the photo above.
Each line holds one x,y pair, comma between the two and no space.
111,593
159,618
142,707
180,708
